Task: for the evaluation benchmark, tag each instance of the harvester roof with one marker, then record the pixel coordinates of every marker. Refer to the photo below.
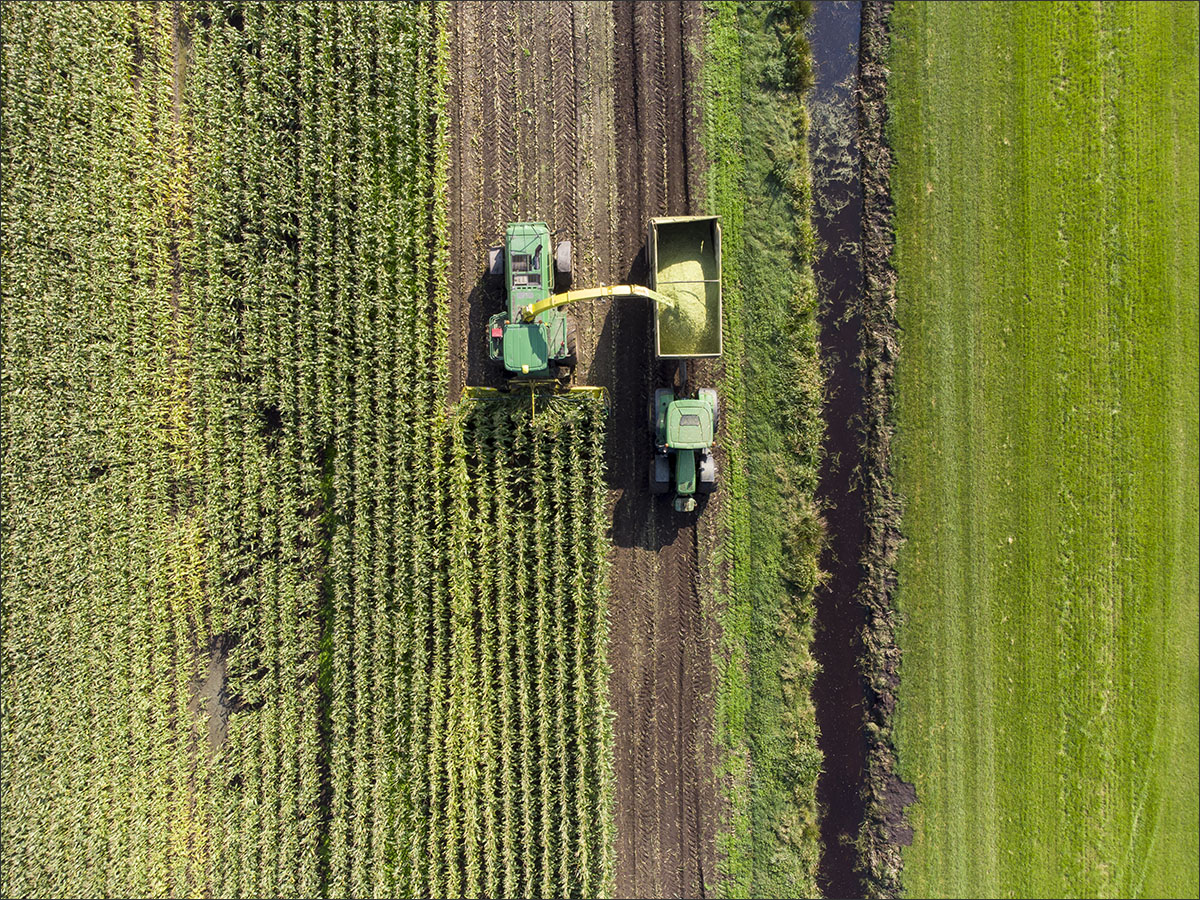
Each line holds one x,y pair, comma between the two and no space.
529,263
525,348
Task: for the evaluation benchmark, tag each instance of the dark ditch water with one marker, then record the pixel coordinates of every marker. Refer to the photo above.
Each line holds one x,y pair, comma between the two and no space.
839,693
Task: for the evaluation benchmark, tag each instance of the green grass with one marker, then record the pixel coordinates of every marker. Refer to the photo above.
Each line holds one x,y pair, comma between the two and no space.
1046,217
755,125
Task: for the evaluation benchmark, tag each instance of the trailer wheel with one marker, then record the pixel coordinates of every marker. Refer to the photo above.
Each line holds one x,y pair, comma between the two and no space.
562,263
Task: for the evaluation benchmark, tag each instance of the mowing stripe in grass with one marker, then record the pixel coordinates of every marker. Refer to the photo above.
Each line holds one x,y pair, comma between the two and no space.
1046,197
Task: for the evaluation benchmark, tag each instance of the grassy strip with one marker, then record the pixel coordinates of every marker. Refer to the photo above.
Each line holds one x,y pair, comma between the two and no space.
755,133
885,796
1046,185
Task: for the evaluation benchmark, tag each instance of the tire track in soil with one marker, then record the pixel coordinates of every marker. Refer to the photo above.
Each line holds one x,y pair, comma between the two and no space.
611,141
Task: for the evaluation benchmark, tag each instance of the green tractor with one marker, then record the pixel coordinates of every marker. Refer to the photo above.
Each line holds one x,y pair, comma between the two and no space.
684,428
541,346
684,255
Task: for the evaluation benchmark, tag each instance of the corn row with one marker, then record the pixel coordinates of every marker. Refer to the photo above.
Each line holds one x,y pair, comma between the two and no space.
358,645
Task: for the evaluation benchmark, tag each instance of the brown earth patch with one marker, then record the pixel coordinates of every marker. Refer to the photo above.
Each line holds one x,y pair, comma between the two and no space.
586,115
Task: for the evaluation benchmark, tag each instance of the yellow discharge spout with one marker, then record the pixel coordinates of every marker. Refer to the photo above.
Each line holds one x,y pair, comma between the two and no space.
533,310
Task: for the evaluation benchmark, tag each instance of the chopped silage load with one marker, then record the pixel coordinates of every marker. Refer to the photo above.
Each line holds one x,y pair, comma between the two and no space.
685,327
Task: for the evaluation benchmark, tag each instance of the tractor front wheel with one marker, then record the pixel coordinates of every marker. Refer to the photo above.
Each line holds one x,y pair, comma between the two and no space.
660,474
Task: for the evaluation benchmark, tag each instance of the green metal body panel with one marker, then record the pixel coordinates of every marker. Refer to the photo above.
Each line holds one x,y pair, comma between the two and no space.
685,424
685,472
527,350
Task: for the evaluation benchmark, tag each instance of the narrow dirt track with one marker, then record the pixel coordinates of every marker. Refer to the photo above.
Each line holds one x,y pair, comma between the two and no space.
586,115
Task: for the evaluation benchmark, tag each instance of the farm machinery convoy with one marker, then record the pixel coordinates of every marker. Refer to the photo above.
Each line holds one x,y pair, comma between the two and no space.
534,338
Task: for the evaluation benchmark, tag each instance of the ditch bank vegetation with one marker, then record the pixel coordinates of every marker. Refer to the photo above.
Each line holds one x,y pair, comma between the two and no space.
884,829
767,566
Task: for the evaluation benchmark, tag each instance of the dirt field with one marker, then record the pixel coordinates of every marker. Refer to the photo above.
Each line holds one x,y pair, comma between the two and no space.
586,116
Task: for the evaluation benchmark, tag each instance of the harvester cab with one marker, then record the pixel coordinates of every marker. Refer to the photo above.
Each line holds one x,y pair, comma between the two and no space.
684,254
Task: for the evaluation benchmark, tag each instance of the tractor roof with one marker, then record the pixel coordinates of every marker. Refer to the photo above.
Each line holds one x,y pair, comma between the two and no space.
689,425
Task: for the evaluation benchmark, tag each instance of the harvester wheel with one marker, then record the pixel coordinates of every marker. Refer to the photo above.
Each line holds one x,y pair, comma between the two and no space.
566,365
495,267
562,263
572,346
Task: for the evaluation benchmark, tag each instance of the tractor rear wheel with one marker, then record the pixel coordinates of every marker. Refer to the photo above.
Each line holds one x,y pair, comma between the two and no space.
710,396
706,483
660,395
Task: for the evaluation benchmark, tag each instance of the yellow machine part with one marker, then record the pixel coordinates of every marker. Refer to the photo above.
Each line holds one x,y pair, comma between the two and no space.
533,310
517,386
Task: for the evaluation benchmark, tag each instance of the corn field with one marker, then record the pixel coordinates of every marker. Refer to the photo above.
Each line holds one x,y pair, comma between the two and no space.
276,621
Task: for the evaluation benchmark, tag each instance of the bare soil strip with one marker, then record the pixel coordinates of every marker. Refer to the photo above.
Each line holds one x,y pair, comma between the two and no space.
586,115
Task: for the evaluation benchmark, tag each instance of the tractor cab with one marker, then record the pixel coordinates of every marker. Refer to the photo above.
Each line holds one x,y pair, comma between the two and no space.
689,425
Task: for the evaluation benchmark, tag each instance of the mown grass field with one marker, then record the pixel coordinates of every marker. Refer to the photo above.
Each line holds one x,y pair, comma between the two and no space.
1046,218
275,621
